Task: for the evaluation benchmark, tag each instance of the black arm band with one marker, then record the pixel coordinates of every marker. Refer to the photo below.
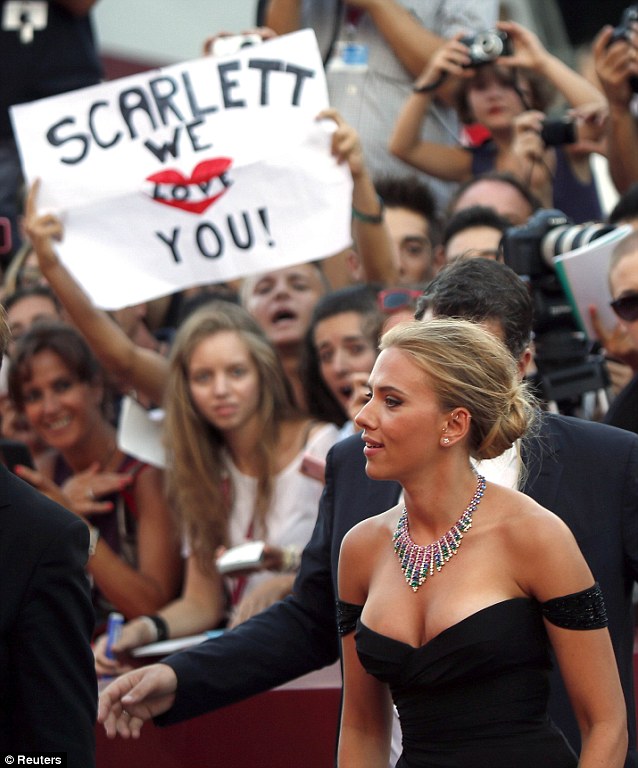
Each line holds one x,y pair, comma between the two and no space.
432,86
161,626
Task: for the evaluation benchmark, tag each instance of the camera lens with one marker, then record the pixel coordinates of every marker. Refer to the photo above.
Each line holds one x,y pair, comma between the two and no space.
569,237
490,44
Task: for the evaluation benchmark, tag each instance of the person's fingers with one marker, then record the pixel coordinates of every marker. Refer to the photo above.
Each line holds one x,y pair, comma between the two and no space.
330,113
30,205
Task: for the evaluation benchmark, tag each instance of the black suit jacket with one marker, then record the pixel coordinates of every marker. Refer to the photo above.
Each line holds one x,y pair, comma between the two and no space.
47,675
586,473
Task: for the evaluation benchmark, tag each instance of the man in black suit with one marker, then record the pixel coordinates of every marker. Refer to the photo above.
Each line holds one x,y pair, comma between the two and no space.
587,473
47,677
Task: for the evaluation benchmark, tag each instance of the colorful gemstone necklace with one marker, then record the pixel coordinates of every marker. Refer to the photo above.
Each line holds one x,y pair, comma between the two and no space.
417,562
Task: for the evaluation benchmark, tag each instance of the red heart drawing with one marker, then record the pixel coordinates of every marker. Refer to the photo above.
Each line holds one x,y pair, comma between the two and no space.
203,173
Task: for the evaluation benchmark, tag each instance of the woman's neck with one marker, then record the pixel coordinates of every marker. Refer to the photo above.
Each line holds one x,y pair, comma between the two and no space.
99,447
436,501
243,443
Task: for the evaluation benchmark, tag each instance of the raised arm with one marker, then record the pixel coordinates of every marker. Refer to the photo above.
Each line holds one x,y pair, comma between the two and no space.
615,65
135,367
529,52
411,42
283,16
370,233
452,163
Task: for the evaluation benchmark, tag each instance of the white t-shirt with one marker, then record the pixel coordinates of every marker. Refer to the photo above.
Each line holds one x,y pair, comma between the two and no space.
294,504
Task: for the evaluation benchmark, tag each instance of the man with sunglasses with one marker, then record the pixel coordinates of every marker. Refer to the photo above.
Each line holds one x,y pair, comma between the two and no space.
586,473
623,285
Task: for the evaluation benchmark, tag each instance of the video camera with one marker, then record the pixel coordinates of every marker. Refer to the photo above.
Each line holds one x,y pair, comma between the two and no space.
567,366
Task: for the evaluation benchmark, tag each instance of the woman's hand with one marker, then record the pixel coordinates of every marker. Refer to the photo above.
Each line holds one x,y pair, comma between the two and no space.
42,231
591,129
261,597
128,702
80,493
615,64
135,633
527,135
345,145
264,32
85,489
528,51
43,484
452,58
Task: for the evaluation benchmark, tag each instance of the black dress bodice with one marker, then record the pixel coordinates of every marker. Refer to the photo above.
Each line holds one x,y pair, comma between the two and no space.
475,696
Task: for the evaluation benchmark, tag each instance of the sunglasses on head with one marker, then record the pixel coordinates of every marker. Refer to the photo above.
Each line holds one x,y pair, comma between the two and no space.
394,299
626,307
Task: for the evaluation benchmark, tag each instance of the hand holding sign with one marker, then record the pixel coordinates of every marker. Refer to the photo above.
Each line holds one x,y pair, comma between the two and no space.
42,230
198,173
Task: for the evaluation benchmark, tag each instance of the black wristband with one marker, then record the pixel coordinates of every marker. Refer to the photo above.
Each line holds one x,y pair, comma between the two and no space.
432,86
161,626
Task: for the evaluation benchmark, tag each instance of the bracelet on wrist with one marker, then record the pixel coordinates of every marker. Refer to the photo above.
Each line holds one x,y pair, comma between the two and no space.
160,625
430,86
290,559
94,537
368,218
152,628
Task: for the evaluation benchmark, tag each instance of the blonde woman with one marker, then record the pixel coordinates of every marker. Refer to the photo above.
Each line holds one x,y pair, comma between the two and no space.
451,600
235,445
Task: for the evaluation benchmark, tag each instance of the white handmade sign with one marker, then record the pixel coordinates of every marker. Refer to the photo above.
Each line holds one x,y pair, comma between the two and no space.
196,173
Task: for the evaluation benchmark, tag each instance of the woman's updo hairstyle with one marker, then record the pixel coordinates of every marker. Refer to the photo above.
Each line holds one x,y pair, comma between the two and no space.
467,366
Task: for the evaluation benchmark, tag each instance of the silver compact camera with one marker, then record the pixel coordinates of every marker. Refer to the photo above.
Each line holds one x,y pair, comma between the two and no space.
485,47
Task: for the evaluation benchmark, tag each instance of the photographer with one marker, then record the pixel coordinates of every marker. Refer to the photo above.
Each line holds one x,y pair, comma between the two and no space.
390,41
504,79
616,62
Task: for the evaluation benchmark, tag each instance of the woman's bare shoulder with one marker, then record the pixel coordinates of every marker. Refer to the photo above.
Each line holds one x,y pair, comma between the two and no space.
519,515
372,530
543,550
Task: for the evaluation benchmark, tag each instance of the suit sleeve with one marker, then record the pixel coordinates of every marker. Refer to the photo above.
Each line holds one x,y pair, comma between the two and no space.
291,638
53,665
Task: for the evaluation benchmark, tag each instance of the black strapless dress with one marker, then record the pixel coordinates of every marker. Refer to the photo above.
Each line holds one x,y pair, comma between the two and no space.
475,696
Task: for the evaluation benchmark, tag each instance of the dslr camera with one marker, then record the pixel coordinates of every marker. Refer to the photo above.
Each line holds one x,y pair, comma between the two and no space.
567,365
485,47
623,32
